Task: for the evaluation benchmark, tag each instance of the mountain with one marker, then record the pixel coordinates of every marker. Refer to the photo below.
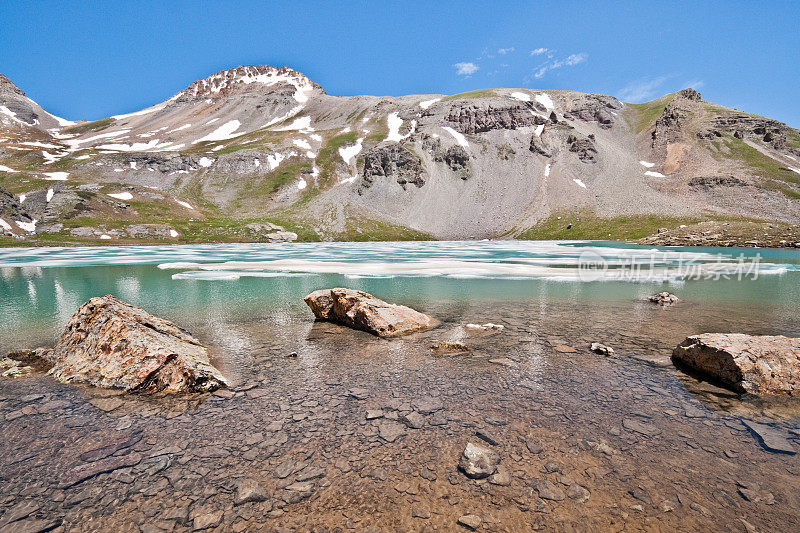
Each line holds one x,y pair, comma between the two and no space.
236,155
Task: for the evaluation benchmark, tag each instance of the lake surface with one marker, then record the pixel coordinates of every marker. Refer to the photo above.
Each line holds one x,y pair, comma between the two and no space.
587,442
40,288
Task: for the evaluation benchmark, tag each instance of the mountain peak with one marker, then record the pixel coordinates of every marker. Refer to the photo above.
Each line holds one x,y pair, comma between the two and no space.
247,77
690,94
7,86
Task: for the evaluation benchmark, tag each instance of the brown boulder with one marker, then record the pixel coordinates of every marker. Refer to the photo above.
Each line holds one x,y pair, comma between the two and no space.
360,310
109,343
761,364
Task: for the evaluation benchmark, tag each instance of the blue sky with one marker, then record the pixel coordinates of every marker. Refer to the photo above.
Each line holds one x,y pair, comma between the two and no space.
95,59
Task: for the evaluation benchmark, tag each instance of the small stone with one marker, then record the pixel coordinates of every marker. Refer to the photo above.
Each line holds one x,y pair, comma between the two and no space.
640,494
551,467
291,354
249,490
311,473
390,431
449,348
470,521
601,349
414,420
533,447
372,414
287,468
420,512
359,393
428,404
578,493
771,438
501,477
505,361
550,491
428,473
207,519
563,348
486,435
106,404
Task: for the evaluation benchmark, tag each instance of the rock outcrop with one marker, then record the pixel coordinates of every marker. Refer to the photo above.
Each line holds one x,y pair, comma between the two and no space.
11,213
392,161
595,108
269,232
671,126
539,146
584,147
476,119
360,310
109,343
744,363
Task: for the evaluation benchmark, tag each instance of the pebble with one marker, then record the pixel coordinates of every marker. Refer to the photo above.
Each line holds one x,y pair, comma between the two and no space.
470,521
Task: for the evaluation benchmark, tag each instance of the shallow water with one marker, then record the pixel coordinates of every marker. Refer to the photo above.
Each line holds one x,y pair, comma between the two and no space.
654,448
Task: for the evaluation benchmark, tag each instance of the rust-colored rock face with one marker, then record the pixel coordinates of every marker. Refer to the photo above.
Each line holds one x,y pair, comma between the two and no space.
109,343
745,363
363,311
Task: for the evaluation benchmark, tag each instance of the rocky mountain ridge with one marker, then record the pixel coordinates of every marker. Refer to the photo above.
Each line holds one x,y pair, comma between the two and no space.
258,145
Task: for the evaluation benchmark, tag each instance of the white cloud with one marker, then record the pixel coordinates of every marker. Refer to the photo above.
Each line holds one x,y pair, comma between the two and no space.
504,51
641,90
466,69
569,61
539,51
694,84
574,59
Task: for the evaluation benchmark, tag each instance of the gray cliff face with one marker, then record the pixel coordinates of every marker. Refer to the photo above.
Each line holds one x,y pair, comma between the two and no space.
267,145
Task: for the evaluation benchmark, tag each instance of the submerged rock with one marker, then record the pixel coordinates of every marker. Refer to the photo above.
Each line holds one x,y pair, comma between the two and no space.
663,298
478,461
109,343
771,438
449,348
762,364
602,349
360,310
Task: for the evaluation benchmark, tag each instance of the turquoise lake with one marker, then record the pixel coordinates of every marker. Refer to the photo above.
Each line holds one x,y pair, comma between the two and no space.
40,288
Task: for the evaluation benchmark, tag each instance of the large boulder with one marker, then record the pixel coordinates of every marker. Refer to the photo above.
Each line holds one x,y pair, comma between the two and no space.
109,343
761,364
360,310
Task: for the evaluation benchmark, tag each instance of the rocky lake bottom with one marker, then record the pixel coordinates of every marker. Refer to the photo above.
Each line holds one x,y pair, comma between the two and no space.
358,433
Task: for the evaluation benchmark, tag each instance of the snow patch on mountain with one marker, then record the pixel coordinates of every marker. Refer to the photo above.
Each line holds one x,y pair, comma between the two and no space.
425,104
546,101
301,143
460,139
223,133
301,124
121,195
56,176
148,110
349,153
